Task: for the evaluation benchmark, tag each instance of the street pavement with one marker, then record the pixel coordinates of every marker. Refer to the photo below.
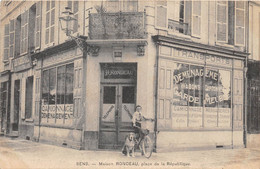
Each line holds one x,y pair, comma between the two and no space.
17,153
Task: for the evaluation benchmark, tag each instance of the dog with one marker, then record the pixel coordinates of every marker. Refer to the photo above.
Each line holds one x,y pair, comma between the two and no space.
129,145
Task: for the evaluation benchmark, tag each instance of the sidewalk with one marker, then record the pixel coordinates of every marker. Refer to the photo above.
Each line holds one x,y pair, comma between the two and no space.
27,154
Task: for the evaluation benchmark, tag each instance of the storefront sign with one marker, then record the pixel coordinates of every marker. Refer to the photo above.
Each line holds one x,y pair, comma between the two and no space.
179,116
119,73
58,113
22,63
201,57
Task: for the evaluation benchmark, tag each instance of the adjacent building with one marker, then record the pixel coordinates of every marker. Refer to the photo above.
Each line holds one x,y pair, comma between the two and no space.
253,85
184,62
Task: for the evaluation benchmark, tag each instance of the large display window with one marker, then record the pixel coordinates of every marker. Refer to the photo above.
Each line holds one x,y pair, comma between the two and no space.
57,95
201,96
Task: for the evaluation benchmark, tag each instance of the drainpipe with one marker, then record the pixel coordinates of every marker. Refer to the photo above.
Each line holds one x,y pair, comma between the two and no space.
156,94
40,102
245,76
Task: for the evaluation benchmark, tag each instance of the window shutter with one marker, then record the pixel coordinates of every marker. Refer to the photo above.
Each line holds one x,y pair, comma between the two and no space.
11,38
17,36
75,11
24,32
37,40
161,14
222,13
6,42
240,23
196,18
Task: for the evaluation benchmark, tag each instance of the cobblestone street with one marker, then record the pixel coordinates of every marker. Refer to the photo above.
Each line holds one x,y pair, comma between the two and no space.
16,153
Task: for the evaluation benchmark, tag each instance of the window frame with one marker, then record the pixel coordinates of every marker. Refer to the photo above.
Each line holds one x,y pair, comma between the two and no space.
235,23
24,32
218,3
56,85
5,46
192,20
51,11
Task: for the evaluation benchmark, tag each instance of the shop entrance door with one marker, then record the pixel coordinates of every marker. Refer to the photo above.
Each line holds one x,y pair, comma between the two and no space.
16,105
117,108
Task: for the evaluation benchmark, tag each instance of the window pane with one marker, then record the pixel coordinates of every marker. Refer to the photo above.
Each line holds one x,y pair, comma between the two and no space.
69,83
52,93
52,17
224,89
45,87
211,88
75,7
61,76
196,86
180,84
109,95
128,94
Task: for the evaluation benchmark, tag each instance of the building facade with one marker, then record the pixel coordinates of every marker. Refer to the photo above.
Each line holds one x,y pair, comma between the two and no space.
182,61
253,74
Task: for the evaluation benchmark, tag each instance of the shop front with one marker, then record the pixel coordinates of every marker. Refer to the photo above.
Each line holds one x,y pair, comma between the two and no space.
5,103
22,88
200,98
59,114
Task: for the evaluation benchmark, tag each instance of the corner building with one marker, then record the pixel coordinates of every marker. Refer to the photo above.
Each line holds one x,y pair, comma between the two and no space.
182,61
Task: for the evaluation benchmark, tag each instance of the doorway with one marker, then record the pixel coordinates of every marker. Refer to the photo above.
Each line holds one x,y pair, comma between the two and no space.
117,104
16,105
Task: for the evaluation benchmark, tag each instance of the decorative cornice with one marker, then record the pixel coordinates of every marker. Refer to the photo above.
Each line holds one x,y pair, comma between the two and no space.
54,49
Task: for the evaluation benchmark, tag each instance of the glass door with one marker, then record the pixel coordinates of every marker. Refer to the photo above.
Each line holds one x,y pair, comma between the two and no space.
117,107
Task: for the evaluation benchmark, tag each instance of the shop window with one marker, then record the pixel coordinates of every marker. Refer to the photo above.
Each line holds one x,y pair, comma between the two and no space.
201,97
69,84
231,22
45,88
179,16
29,97
57,93
52,86
61,78
180,84
123,6
50,22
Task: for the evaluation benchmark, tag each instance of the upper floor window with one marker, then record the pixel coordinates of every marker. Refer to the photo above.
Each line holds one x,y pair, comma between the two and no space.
50,22
74,6
179,16
121,5
230,22
6,42
24,32
37,41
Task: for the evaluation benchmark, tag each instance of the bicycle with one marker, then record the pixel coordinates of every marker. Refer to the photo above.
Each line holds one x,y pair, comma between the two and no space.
145,144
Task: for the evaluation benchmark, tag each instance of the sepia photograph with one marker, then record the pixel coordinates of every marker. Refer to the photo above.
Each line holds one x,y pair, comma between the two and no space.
124,84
